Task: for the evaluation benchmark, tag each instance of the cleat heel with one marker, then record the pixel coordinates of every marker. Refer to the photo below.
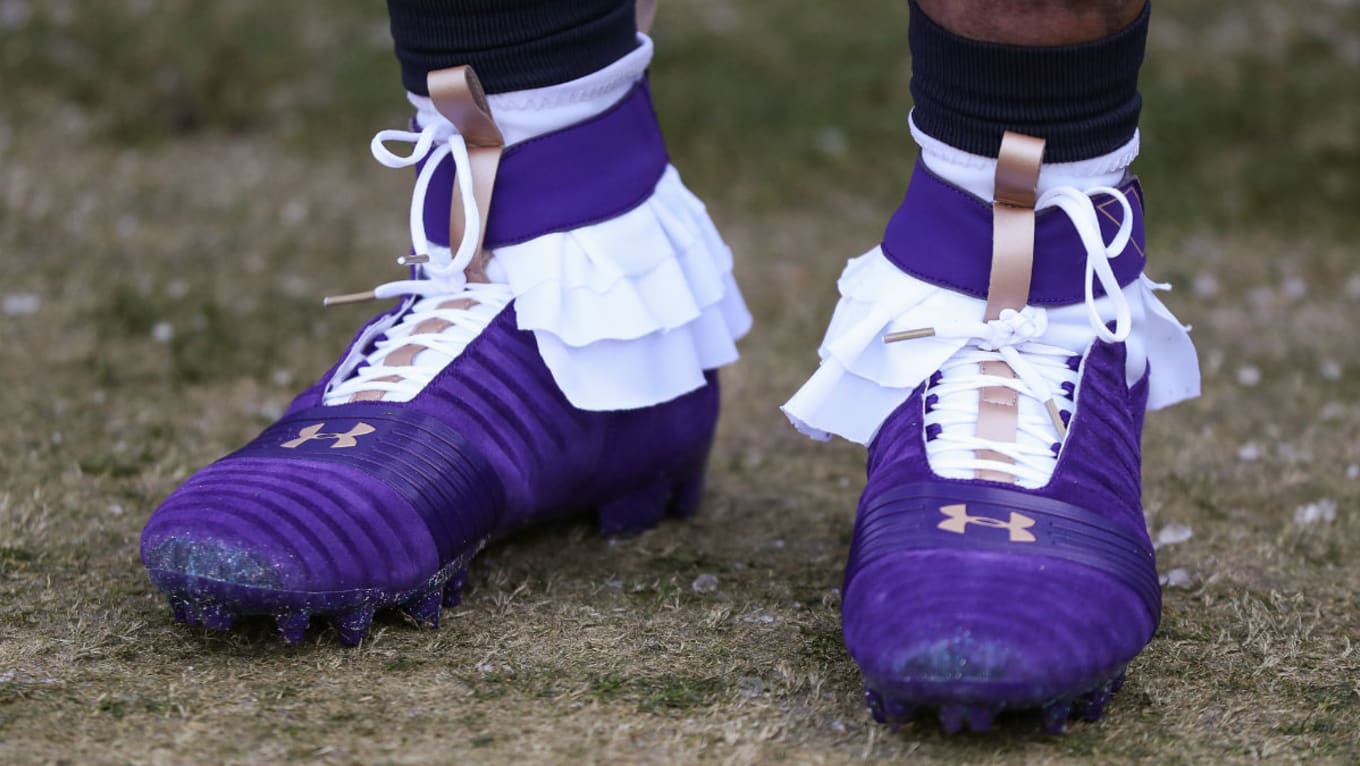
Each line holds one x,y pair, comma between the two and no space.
687,495
637,511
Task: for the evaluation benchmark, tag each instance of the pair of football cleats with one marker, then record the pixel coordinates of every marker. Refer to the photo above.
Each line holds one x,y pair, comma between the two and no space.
553,351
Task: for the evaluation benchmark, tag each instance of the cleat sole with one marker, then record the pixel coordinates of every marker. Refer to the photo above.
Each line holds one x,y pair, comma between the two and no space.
968,710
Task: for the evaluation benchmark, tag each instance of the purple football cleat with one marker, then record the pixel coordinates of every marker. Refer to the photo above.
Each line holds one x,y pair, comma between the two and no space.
480,403
1000,559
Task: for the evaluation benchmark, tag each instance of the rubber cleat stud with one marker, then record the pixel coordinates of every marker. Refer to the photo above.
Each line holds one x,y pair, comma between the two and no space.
180,610
453,589
216,617
979,717
875,704
1118,682
1056,715
425,608
293,627
353,626
952,718
1090,706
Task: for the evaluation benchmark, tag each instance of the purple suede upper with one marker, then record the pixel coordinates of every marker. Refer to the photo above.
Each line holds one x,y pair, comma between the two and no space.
943,235
587,173
976,615
491,444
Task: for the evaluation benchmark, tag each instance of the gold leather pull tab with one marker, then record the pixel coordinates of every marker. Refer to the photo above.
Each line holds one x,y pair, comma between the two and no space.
645,12
458,95
1017,177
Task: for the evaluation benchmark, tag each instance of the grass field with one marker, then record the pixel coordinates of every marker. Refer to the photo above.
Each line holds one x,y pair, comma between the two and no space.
180,182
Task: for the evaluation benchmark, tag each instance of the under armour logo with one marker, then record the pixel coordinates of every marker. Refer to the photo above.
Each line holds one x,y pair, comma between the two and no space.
349,438
957,521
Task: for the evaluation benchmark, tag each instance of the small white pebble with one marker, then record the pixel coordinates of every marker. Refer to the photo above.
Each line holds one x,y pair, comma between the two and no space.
705,583
762,617
1205,285
832,141
1330,369
1353,471
1249,452
116,509
125,226
750,686
1176,578
163,332
1248,375
1172,534
1323,511
293,213
1295,288
21,304
838,726
1353,286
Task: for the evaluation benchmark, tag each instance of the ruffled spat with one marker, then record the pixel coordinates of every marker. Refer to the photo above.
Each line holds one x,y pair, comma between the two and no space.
631,311
861,379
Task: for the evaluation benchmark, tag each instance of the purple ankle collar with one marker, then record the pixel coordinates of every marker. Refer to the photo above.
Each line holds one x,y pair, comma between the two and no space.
587,173
943,235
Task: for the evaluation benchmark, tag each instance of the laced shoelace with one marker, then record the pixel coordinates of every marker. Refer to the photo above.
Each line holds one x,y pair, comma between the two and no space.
449,311
1045,374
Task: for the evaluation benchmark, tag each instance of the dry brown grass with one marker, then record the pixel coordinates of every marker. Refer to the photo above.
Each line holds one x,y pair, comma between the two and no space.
570,648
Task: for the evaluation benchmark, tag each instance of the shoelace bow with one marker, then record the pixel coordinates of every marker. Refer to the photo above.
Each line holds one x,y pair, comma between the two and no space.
1045,381
450,310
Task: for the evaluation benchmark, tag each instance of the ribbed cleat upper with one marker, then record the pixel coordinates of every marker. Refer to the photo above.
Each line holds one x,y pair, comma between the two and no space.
979,591
345,507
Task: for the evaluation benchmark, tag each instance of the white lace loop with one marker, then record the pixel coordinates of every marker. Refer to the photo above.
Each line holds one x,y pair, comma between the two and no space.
1081,209
1041,370
437,140
463,308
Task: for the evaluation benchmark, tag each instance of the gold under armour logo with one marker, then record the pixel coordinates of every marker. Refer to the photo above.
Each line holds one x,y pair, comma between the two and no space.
957,521
349,438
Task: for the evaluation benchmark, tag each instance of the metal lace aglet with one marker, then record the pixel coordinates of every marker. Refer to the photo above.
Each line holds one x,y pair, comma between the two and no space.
924,332
1056,415
411,259
336,300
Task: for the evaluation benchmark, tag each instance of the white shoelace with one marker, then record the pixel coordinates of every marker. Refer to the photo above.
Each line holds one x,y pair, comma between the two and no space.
1041,369
445,294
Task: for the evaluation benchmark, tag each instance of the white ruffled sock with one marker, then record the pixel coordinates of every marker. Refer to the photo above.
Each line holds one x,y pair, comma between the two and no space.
525,114
977,174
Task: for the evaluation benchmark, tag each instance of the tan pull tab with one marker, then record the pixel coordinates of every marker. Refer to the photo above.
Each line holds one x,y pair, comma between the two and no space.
646,14
458,95
1017,177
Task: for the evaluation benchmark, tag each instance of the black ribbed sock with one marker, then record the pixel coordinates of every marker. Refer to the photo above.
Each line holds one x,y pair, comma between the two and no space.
513,44
1082,99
